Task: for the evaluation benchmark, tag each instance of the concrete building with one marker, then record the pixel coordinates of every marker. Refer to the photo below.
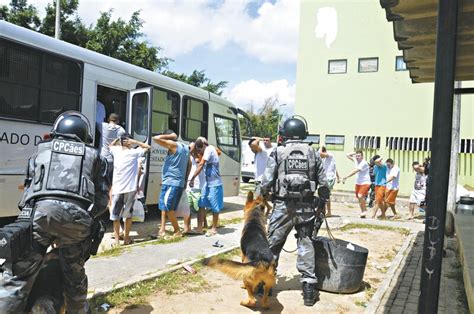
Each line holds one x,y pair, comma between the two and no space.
354,91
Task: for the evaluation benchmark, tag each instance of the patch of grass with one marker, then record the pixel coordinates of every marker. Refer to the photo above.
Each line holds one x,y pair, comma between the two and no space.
112,252
388,256
361,303
230,253
231,221
351,226
369,293
170,283
162,241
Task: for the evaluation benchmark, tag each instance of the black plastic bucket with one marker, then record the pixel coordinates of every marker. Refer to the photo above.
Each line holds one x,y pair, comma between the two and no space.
340,265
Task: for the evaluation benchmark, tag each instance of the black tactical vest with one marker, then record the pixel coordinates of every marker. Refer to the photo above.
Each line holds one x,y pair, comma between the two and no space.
296,172
64,168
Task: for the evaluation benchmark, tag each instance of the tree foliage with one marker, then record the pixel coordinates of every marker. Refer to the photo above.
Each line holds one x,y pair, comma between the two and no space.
199,79
73,29
265,121
21,13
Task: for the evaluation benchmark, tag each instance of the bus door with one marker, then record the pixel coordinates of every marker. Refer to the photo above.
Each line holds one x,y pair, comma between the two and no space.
247,167
139,126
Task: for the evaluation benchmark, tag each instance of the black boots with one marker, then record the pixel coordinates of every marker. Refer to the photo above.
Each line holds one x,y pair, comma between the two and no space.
309,293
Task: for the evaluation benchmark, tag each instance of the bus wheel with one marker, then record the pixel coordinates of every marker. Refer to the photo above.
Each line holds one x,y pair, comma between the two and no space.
245,179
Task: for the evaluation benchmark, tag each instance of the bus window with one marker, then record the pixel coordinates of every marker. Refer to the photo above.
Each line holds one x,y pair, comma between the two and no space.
35,85
140,117
227,135
195,119
165,111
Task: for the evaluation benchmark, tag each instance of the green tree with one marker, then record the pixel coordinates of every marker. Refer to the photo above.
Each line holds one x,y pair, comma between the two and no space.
199,79
21,13
264,122
120,39
73,29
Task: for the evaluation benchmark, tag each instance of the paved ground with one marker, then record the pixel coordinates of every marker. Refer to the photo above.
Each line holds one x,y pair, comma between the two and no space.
402,294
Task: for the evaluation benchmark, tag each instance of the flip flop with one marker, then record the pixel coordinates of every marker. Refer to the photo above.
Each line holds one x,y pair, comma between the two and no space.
218,244
192,233
210,234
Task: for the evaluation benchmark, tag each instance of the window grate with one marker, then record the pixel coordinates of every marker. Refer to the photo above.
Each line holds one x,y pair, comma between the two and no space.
367,142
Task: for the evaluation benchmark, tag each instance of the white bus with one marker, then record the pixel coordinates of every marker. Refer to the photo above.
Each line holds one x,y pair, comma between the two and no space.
40,77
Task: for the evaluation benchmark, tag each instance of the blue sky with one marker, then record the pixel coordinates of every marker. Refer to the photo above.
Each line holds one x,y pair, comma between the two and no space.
252,44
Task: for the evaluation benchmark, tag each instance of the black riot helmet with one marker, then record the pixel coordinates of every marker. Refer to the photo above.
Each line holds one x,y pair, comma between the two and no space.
72,124
294,128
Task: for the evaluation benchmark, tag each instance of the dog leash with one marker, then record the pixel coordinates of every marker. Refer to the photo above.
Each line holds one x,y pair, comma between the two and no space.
330,235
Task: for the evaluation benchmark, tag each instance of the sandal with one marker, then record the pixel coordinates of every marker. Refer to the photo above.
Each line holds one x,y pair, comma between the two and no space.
128,242
211,233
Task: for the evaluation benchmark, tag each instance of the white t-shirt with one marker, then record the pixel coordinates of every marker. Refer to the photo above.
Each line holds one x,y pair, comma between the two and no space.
211,168
199,180
260,162
363,176
329,165
125,169
395,183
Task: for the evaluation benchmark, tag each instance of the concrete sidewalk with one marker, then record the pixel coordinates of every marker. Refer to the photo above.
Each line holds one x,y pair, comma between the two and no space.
146,260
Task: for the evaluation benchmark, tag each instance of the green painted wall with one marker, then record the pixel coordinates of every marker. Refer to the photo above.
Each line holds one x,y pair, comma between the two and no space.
383,103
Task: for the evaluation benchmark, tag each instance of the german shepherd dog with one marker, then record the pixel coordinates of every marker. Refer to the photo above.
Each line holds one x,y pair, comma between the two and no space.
258,265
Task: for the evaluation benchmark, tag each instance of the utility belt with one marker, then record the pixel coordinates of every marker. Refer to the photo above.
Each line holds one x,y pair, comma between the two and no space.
82,204
303,200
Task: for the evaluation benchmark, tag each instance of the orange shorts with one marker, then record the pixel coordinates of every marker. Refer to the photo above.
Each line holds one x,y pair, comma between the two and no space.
391,196
362,189
379,193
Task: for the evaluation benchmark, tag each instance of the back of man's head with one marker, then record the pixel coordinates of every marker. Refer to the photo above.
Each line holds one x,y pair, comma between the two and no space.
200,142
323,149
113,117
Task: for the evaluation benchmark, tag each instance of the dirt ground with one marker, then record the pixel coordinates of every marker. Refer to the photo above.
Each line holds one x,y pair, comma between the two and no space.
223,295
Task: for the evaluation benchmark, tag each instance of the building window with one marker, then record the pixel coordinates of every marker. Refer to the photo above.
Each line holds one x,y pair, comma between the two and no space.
195,119
36,85
367,142
467,146
313,138
337,66
420,144
367,65
400,64
334,142
227,135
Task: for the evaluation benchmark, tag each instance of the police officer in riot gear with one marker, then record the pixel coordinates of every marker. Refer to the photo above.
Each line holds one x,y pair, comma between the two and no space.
66,188
293,173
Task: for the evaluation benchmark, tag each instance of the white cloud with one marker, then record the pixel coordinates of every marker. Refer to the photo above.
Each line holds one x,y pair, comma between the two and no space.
180,26
254,93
